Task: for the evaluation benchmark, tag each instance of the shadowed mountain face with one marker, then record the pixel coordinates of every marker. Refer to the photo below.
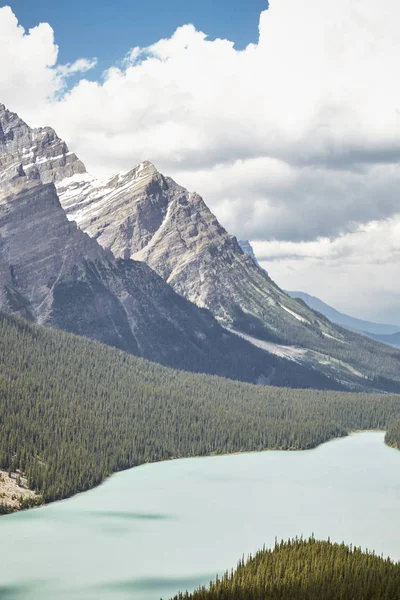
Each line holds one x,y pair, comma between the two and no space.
53,273
144,215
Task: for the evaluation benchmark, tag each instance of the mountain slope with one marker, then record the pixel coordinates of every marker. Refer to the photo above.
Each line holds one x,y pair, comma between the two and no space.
143,215
72,411
344,320
53,273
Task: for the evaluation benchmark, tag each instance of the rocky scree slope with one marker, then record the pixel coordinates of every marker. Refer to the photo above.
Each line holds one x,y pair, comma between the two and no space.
144,215
53,273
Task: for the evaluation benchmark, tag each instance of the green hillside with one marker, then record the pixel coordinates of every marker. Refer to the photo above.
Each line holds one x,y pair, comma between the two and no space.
72,411
305,570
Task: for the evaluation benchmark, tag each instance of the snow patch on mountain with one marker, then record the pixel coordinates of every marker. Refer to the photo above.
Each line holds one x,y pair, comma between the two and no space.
289,352
295,315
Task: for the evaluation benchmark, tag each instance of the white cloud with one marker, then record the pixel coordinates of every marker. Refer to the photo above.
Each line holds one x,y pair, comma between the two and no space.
267,198
294,138
30,79
82,65
27,75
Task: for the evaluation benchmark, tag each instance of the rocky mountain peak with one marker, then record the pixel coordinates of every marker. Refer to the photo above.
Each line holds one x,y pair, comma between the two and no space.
38,152
146,216
134,204
145,170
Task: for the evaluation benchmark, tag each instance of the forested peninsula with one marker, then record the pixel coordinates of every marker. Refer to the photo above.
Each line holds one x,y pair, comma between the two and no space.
301,570
73,411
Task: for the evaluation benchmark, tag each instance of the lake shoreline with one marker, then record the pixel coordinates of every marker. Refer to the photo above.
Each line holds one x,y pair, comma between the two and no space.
172,458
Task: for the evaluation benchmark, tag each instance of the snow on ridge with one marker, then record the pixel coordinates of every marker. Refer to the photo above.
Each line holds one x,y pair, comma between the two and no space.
83,195
49,158
76,178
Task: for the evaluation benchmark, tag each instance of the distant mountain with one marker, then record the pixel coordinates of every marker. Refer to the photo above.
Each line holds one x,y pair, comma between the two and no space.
377,329
53,273
392,339
144,215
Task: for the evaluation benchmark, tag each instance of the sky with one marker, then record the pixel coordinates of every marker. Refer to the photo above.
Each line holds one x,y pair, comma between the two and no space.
286,120
107,29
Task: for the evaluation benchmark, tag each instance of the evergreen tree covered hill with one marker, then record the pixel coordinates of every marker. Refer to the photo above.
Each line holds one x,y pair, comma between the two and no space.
72,411
305,570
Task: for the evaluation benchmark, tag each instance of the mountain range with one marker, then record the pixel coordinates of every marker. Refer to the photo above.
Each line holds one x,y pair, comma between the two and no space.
388,334
140,263
146,216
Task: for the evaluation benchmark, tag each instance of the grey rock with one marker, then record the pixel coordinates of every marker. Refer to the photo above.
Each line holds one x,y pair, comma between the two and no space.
35,153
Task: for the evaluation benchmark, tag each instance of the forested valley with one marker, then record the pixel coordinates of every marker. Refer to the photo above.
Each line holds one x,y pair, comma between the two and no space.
304,570
73,411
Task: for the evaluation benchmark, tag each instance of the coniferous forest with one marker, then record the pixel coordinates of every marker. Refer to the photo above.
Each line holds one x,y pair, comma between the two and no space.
72,411
393,434
305,570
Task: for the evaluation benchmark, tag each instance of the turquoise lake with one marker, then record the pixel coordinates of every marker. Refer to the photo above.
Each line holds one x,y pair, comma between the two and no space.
151,531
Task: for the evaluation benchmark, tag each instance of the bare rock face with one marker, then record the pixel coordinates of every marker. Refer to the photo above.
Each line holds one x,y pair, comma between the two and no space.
53,269
148,217
35,153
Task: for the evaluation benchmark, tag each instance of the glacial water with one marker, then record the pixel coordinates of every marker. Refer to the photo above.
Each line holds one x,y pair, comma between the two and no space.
151,531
